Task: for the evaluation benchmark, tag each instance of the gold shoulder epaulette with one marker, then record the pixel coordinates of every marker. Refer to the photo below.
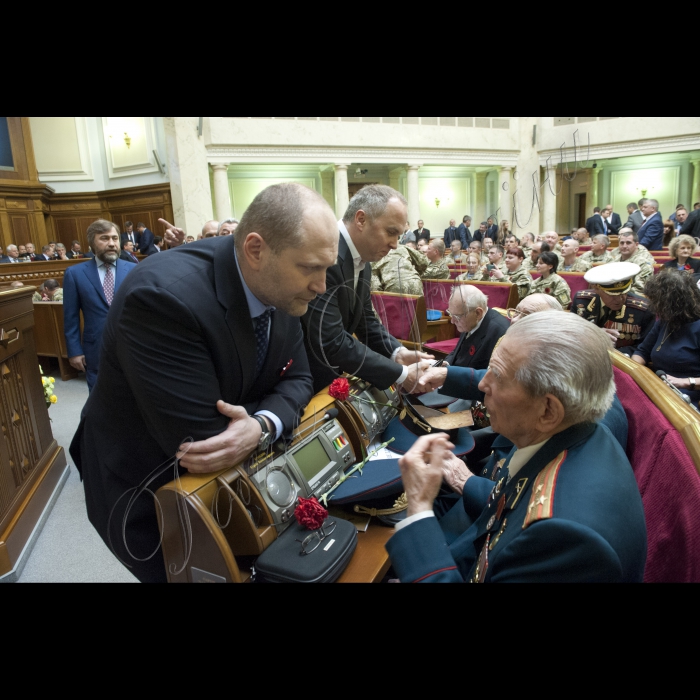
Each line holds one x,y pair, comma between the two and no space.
587,294
542,502
638,303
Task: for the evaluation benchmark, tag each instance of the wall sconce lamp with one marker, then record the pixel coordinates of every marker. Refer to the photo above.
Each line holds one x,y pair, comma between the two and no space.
437,202
127,139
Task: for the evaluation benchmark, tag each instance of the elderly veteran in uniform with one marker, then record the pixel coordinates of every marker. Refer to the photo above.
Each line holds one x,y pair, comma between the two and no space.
599,253
609,305
631,252
550,282
565,506
570,260
516,274
438,268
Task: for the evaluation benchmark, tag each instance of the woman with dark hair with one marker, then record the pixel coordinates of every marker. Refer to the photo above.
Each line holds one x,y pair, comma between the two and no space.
550,283
673,345
669,232
682,250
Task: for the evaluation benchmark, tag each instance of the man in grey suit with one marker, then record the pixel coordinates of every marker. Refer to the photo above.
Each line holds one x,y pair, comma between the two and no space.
636,220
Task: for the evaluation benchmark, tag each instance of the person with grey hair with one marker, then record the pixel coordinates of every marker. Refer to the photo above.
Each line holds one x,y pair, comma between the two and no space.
562,506
651,235
636,218
598,254
61,252
12,255
228,227
342,332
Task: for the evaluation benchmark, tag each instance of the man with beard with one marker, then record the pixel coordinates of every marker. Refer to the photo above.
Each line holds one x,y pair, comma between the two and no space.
90,288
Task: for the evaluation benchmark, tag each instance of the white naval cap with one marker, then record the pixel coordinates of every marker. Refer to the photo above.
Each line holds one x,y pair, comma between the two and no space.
614,278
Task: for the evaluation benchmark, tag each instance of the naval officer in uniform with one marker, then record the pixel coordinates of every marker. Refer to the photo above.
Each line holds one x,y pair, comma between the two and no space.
565,506
627,318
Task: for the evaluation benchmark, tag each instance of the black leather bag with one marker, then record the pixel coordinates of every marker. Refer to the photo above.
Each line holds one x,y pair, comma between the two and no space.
284,562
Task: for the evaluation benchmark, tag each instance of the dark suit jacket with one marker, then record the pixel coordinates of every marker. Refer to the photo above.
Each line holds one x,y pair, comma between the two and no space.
83,291
341,313
691,227
424,234
451,234
128,257
43,258
465,235
137,239
595,226
492,233
475,352
693,262
615,225
635,221
146,246
147,401
651,235
70,255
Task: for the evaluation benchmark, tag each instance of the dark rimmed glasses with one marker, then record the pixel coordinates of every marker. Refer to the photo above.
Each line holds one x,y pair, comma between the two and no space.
316,539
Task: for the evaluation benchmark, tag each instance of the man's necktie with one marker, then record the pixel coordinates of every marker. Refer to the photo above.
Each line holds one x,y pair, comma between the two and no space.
262,338
109,285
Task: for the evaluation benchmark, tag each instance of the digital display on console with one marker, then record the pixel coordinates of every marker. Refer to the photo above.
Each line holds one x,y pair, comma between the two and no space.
312,460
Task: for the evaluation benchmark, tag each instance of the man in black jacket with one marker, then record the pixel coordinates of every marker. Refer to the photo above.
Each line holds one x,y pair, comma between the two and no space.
691,227
343,334
596,225
202,343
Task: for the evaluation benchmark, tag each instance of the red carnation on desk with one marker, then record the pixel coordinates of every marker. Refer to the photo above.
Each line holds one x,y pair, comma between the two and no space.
310,514
340,390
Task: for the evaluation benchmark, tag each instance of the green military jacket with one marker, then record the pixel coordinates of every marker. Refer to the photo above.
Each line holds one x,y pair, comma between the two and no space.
592,259
554,286
523,280
646,261
579,266
396,274
437,271
58,296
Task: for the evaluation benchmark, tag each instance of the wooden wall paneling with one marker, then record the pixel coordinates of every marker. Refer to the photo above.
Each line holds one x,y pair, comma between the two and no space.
22,171
34,274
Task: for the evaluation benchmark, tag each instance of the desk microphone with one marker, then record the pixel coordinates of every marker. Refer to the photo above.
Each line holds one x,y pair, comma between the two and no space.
664,378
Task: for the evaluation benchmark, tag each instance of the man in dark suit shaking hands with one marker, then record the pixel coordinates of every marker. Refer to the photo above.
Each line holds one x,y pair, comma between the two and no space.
203,343
90,288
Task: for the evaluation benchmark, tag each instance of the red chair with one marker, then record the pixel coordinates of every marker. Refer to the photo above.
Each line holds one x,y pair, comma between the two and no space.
664,450
404,316
576,281
501,295
585,249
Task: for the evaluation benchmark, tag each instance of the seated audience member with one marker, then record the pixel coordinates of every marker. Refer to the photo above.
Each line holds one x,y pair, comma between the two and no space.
75,251
476,247
609,305
16,285
530,263
550,282
438,269
581,235
423,246
673,345
53,245
46,254
128,253
486,244
631,251
31,251
681,218
456,254
400,272
49,291
480,328
412,245
504,233
691,227
682,250
475,270
210,229
22,249
12,255
669,232
551,238
527,241
599,252
61,252
512,242
516,274
570,260
651,235
496,262
228,227
565,506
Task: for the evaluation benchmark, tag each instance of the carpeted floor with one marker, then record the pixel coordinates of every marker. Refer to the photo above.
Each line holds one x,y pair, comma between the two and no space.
68,549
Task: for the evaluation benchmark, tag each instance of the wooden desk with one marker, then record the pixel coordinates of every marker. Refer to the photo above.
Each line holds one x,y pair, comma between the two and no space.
371,560
36,273
50,337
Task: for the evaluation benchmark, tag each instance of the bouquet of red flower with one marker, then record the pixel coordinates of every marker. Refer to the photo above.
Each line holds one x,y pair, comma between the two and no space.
310,514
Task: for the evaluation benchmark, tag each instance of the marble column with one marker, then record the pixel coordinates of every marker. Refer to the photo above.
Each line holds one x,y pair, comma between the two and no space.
342,190
327,182
505,196
413,192
221,192
593,192
189,174
696,185
550,198
480,209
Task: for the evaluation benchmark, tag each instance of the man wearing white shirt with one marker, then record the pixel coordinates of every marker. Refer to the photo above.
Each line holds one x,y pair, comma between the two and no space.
342,332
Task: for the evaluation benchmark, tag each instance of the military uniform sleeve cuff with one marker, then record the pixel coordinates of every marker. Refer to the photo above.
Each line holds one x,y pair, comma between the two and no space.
414,519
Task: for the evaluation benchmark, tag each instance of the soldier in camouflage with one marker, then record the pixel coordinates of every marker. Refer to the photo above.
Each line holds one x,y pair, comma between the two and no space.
571,262
630,251
495,262
438,268
516,273
550,283
398,272
599,253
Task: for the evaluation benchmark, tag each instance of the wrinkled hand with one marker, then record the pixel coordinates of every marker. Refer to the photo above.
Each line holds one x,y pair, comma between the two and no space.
433,379
423,473
78,363
408,357
456,474
415,372
613,335
174,236
678,383
226,450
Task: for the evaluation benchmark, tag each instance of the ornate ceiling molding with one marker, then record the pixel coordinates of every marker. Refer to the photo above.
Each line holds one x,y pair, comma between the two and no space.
260,154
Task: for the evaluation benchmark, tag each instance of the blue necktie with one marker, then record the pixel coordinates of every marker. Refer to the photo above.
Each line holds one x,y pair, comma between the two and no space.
262,338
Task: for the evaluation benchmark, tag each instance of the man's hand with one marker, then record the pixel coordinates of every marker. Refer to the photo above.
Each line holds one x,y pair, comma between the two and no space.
456,474
678,383
415,372
433,379
174,236
408,357
78,363
613,334
226,450
423,473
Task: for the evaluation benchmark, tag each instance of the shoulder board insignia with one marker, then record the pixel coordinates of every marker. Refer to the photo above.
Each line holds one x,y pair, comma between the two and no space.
638,303
542,502
586,294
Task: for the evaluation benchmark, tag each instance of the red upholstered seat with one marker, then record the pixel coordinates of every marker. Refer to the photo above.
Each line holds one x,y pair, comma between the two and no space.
500,295
398,315
576,281
585,249
670,486
446,346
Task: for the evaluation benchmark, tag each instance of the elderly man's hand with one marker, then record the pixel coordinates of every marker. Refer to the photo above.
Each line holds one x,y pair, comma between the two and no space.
613,334
456,474
423,471
415,372
174,236
433,379
226,450
408,357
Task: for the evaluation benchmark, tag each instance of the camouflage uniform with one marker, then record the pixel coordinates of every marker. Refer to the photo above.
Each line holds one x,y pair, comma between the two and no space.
523,280
58,296
605,258
461,259
486,275
578,266
553,286
642,254
646,261
396,274
466,277
437,271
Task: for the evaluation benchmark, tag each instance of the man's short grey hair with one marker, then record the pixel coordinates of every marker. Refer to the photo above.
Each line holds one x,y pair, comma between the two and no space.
60,246
11,247
373,200
472,297
654,203
586,388
439,245
629,233
531,236
600,238
542,302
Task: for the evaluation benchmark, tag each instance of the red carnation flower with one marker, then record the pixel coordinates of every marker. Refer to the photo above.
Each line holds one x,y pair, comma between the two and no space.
688,268
340,390
472,350
547,291
310,514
